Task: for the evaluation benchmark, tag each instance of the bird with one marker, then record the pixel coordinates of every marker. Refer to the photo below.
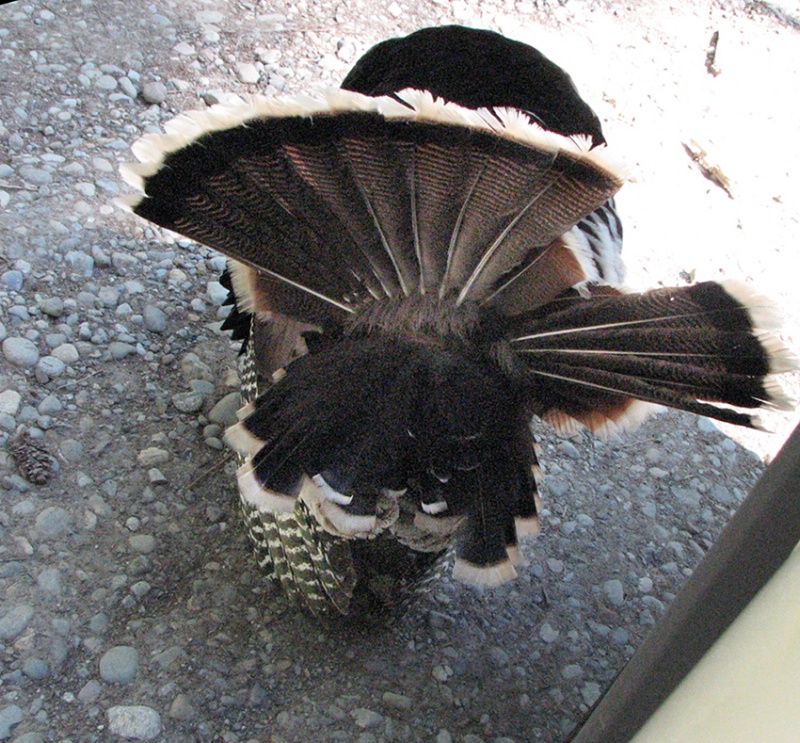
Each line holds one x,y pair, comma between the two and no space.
421,263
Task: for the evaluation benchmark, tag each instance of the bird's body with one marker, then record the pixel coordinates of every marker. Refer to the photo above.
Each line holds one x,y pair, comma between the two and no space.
417,275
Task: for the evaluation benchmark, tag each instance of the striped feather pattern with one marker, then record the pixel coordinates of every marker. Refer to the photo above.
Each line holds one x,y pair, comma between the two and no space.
335,203
696,348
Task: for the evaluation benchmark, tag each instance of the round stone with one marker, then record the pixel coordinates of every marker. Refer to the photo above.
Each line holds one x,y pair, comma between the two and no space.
144,543
155,320
154,92
119,664
51,366
52,521
13,280
52,306
36,669
20,352
66,352
188,402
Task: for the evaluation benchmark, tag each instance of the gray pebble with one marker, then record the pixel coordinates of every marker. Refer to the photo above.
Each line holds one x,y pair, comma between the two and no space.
49,581
397,701
71,450
35,176
14,622
123,262
217,293
9,402
108,296
13,280
144,543
224,412
366,718
90,692
706,425
184,48
120,350
66,352
140,589
10,716
50,366
590,692
687,496
106,82
137,722
568,448
181,708
620,636
29,738
152,456
188,402
52,521
80,262
572,671
498,656
36,669
119,664
202,387
128,87
721,494
154,93
614,592
20,352
52,306
547,633
50,405
155,320
155,476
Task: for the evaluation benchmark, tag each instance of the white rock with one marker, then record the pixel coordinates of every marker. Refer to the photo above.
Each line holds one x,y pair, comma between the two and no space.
9,402
136,722
248,73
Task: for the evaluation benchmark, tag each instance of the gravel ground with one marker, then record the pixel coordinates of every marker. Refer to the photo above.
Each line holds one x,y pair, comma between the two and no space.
130,607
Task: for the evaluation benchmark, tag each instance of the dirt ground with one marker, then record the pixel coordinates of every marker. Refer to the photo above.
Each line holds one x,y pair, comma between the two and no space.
217,653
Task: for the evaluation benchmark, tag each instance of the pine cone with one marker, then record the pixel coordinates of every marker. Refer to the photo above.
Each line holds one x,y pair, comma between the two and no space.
33,460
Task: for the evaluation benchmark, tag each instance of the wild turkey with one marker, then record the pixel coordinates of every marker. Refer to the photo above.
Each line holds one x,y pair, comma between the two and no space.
422,262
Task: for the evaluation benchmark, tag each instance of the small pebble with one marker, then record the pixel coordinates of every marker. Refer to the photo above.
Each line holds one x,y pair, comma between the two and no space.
9,402
366,718
20,352
397,701
614,592
52,521
143,543
152,456
14,622
136,722
119,665
10,716
155,320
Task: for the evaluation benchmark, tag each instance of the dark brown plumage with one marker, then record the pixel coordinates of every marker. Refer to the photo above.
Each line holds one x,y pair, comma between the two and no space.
414,280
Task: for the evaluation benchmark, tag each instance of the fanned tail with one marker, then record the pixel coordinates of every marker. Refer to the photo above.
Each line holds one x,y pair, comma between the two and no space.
351,199
706,348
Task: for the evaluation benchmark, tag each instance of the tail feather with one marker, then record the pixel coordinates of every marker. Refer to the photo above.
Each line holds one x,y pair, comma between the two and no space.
369,198
695,348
